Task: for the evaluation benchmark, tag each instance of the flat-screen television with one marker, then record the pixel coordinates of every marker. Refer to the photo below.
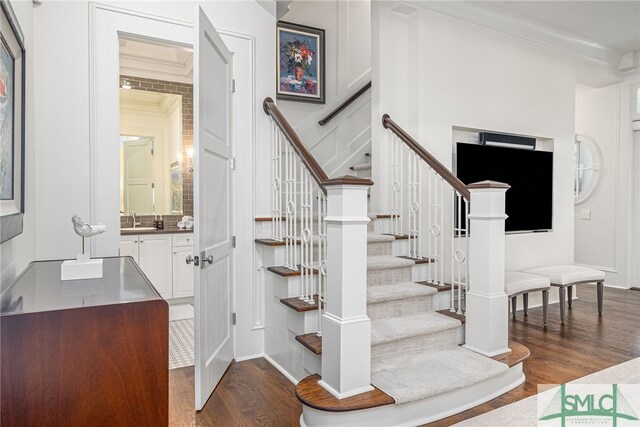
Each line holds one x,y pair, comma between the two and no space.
529,201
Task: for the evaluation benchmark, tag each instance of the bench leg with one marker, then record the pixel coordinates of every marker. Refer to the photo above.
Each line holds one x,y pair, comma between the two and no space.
514,302
600,297
561,294
525,303
569,295
545,305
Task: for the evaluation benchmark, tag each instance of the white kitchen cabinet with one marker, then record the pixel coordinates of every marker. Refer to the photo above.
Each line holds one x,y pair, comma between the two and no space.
182,272
155,261
129,247
162,258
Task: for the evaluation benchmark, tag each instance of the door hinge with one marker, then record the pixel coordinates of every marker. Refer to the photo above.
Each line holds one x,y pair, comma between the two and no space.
153,185
233,318
233,85
234,241
233,163
152,151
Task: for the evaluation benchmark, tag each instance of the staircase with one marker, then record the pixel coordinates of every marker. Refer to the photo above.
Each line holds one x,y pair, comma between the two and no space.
419,367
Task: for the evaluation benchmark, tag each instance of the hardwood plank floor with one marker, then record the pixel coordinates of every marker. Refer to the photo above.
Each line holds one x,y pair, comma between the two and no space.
255,393
584,344
251,393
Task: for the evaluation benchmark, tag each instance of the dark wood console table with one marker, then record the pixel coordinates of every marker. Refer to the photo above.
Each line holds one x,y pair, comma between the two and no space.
84,352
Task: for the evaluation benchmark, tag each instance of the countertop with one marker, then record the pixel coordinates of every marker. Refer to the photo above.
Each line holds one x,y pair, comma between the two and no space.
39,288
166,230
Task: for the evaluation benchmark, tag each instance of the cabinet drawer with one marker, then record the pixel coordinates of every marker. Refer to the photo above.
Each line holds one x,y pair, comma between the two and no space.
183,239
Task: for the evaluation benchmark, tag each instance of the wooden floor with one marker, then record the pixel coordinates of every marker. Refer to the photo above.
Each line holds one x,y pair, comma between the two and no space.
254,393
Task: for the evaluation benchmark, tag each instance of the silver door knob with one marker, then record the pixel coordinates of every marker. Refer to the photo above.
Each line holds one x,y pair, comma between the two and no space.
208,259
189,259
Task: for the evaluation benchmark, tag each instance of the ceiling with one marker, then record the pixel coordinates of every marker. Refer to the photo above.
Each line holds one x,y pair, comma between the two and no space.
156,60
614,24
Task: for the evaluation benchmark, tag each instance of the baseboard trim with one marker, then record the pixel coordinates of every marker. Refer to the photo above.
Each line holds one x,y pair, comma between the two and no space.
281,369
253,356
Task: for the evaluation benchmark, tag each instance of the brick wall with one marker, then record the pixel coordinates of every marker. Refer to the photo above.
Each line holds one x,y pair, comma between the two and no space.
186,91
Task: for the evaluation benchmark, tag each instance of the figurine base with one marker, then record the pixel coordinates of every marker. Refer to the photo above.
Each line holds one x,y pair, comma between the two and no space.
80,269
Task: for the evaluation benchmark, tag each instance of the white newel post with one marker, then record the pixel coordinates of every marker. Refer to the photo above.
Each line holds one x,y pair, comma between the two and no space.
487,314
346,328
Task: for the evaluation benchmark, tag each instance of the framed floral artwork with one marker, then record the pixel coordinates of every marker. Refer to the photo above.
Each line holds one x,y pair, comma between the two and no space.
12,97
300,64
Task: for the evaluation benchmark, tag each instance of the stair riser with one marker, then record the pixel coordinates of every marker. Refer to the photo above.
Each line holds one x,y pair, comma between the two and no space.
380,277
403,307
380,248
285,287
302,323
387,352
312,362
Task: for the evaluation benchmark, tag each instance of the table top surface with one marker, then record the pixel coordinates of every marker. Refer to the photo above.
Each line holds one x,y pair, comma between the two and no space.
39,288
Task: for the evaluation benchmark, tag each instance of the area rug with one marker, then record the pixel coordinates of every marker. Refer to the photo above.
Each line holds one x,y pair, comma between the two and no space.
181,348
525,412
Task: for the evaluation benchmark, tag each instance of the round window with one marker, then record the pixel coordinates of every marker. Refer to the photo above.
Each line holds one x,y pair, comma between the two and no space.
587,167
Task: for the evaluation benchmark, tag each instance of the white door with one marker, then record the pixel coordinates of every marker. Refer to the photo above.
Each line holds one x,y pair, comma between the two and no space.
635,209
213,199
138,176
129,247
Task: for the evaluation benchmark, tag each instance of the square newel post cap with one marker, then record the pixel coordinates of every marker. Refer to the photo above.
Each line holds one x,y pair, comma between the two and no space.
482,185
347,180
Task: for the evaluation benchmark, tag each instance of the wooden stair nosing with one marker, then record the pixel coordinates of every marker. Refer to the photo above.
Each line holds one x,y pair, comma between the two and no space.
452,314
283,271
418,261
400,236
517,354
311,341
445,287
299,305
312,394
267,218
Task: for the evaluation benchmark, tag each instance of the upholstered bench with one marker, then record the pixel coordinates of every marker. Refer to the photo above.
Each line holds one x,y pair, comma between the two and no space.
567,276
517,283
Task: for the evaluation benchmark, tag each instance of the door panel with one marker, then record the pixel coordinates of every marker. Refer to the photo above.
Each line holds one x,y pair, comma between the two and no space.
182,272
155,262
213,201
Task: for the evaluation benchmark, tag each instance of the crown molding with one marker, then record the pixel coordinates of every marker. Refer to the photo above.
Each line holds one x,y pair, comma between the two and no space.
491,17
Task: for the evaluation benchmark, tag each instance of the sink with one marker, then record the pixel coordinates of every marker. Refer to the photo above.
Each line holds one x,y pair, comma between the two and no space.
138,229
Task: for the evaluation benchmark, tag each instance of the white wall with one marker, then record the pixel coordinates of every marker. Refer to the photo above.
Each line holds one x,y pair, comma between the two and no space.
603,242
61,37
342,142
437,72
16,253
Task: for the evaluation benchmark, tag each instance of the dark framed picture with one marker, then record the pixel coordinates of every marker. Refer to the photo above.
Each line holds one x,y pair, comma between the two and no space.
300,65
12,97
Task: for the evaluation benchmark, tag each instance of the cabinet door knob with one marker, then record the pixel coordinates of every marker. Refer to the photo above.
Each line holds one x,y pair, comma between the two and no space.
189,259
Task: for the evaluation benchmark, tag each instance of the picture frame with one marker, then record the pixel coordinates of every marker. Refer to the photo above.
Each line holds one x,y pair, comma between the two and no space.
300,67
12,123
176,189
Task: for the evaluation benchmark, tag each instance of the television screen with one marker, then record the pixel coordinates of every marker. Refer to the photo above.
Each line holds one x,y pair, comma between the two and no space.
529,173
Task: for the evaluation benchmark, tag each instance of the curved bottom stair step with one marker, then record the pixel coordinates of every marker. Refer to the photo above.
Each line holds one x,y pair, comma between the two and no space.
408,379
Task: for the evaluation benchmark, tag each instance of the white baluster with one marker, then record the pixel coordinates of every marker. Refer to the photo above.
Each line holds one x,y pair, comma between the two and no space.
440,229
453,250
462,255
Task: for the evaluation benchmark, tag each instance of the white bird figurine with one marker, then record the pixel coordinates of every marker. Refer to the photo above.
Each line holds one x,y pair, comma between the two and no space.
83,229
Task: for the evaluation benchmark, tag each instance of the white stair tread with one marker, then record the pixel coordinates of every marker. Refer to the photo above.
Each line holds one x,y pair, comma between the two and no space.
383,262
398,328
361,166
376,237
408,379
397,291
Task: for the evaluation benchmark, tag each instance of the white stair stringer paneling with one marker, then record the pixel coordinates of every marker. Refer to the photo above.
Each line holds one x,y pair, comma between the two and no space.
280,343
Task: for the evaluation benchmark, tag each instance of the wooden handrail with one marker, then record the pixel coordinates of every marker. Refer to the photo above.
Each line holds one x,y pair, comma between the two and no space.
309,161
435,164
344,105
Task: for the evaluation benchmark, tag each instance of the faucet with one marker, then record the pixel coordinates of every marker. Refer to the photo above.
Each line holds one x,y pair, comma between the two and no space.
133,214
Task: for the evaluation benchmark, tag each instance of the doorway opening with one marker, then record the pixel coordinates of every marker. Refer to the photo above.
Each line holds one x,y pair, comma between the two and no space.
156,176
